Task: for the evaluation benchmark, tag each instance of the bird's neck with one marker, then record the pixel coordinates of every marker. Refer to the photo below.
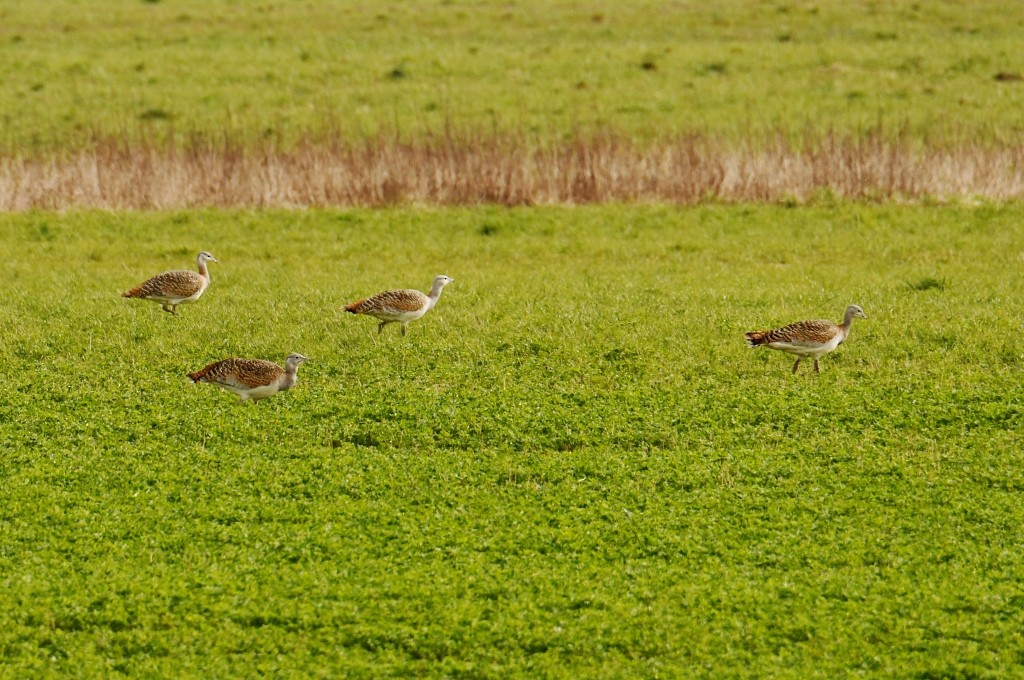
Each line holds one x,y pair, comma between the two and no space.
203,271
435,293
847,322
290,376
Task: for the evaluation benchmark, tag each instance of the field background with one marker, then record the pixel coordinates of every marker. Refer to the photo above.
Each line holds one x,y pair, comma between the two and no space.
74,70
572,467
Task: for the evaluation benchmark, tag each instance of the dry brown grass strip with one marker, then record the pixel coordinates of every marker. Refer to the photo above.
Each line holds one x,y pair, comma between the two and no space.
508,170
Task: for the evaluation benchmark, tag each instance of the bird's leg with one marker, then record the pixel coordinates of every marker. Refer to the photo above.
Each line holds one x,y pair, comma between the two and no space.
816,366
380,326
167,307
405,325
795,365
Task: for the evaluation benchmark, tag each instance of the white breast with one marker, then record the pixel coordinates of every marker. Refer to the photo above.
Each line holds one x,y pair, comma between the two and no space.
193,297
808,350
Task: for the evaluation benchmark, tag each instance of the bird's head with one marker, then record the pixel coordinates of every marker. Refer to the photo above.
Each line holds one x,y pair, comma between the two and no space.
206,257
856,311
294,359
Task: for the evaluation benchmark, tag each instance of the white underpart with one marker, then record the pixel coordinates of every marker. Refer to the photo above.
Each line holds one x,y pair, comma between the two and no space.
174,300
405,317
254,393
809,351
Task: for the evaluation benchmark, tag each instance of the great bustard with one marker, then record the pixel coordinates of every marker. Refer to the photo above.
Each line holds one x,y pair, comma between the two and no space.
251,378
177,287
399,306
807,339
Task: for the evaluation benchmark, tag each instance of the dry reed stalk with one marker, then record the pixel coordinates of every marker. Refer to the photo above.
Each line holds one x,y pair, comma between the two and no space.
507,170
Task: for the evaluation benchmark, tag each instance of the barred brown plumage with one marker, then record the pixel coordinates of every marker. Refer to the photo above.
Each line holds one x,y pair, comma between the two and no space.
399,306
253,379
176,287
807,339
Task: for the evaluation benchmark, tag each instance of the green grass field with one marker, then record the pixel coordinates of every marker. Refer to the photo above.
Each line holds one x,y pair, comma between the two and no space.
571,467
280,70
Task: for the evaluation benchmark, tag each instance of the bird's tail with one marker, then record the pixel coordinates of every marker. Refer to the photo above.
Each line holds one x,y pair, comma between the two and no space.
134,292
756,338
355,307
196,376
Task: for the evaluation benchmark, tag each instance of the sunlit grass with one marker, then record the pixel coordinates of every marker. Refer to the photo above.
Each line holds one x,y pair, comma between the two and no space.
278,71
571,465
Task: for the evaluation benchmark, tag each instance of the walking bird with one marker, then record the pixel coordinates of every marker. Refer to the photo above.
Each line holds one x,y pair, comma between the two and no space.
253,379
177,287
807,339
399,306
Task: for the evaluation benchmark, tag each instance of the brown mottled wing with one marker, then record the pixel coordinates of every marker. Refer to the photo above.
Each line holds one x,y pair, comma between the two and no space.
390,301
179,283
247,373
809,333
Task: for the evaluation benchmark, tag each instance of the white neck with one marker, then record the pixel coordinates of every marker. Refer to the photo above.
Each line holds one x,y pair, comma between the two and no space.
203,271
291,375
435,292
847,322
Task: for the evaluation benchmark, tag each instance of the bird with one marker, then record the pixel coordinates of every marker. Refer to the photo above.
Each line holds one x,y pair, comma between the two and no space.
807,339
253,379
177,287
400,306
